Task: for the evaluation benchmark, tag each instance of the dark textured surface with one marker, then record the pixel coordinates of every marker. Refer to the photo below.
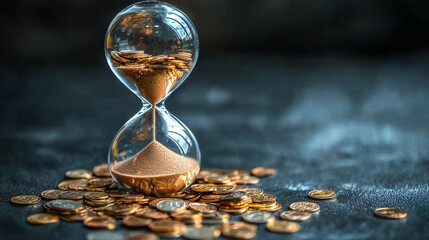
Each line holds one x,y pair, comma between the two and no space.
358,127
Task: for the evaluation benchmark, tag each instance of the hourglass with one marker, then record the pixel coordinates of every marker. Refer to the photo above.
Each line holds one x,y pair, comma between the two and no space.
152,47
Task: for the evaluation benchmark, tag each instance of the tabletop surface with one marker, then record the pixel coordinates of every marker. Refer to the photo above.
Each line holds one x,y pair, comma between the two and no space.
355,126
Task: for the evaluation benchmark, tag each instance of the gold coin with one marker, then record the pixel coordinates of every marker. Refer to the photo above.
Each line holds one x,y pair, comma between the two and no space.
202,207
201,233
43,218
141,236
79,173
274,208
99,202
161,66
133,54
249,180
26,200
263,171
212,197
167,226
263,198
118,193
391,213
304,207
100,182
322,194
217,179
72,195
100,222
187,216
51,194
253,191
233,210
203,187
134,221
122,208
155,214
224,189
283,226
171,205
95,195
295,215
176,195
136,198
258,217
116,57
262,205
77,186
239,229
101,170
64,185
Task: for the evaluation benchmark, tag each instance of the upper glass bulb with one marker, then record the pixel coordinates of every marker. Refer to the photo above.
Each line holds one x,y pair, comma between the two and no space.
151,47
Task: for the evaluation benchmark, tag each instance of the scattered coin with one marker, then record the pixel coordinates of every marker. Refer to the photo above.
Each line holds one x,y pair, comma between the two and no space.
43,218
391,213
101,170
263,198
202,207
304,207
322,194
253,191
167,227
224,189
100,222
171,205
203,187
295,215
95,195
26,200
51,194
239,229
72,195
263,171
78,173
134,221
201,233
283,226
249,180
155,214
65,205
258,217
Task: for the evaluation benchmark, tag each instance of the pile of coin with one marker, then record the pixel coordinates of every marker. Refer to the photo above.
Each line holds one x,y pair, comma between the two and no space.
181,60
200,212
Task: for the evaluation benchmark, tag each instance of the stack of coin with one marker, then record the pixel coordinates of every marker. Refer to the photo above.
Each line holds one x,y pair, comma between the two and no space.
181,60
265,202
68,210
236,202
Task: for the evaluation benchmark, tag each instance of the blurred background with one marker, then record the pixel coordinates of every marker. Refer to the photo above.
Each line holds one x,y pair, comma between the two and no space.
64,33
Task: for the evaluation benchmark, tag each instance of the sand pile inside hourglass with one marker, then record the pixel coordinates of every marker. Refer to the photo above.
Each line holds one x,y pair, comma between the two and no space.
155,169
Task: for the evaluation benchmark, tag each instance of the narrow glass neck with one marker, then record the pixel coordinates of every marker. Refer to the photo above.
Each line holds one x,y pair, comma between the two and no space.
147,105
